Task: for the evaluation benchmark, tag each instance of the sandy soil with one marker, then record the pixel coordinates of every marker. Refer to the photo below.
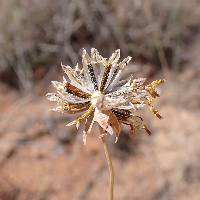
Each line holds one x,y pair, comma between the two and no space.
42,159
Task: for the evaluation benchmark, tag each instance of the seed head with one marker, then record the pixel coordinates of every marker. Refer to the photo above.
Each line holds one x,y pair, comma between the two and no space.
97,91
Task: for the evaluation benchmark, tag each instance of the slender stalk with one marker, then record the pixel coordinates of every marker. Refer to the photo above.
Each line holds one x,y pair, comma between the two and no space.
110,166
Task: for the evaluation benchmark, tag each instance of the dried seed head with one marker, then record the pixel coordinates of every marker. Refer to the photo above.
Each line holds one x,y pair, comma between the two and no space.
97,90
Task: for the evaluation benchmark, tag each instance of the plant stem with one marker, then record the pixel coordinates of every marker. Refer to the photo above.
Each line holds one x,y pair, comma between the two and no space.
110,166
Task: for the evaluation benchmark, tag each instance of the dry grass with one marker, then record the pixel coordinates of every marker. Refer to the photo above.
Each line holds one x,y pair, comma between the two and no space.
38,32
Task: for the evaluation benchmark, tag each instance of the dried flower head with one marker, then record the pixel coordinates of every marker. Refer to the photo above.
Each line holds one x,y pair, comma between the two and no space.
97,90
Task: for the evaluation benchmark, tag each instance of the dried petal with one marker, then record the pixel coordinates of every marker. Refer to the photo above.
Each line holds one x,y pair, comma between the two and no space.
103,120
114,123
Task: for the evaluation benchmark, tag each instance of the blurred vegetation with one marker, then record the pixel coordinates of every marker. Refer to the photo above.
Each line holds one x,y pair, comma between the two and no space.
37,33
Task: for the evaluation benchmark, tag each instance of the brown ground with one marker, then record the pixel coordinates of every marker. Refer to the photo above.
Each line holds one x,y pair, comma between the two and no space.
41,159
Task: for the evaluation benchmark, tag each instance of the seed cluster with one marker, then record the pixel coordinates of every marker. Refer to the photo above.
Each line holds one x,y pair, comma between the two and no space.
97,90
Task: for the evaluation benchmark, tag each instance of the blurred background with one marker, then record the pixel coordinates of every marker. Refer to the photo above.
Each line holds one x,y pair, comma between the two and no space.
40,158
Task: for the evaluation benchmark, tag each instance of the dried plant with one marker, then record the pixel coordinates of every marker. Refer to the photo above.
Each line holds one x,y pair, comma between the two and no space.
34,36
97,90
